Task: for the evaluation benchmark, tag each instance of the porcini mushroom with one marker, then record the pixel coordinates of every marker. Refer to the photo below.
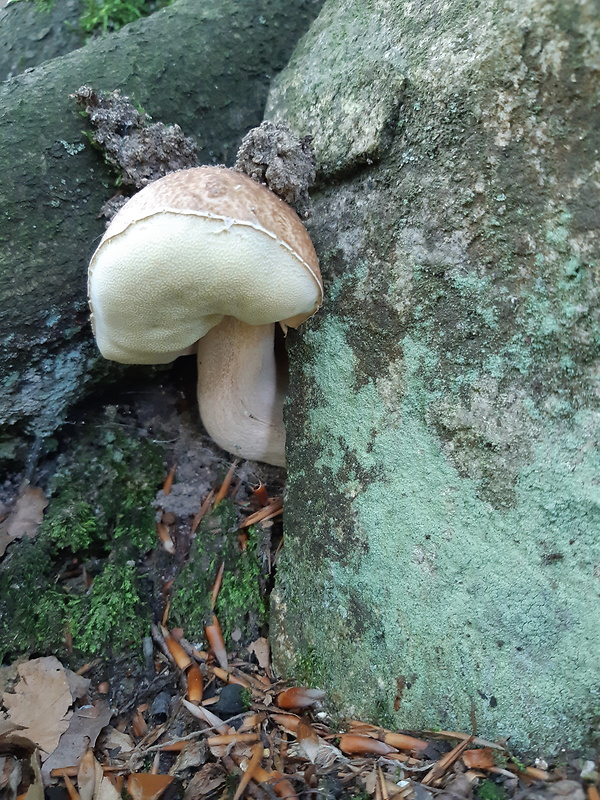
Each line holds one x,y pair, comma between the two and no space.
207,259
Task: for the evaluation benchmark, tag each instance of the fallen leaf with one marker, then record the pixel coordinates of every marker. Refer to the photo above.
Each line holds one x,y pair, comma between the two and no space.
479,759
193,755
299,697
261,651
25,517
118,744
145,786
89,776
355,744
78,685
216,641
41,702
10,776
205,781
308,739
106,791
36,787
84,727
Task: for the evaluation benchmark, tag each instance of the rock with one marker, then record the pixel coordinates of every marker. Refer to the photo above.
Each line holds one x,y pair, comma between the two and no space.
561,790
442,510
30,34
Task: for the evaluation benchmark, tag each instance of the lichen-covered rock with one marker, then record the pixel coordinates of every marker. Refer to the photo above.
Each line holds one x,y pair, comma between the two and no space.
443,508
206,66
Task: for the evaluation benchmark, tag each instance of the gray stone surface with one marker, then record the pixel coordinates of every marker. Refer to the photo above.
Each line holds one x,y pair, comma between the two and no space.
443,506
31,34
206,66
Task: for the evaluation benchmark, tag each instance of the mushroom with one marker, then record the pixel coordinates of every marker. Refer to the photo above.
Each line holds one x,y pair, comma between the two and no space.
207,260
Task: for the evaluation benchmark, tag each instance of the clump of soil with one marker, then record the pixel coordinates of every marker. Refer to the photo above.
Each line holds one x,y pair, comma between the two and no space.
272,154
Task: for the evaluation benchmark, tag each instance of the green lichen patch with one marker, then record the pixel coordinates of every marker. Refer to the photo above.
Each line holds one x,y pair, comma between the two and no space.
100,517
240,604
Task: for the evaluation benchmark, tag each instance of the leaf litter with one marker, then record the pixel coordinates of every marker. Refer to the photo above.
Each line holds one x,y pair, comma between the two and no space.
216,723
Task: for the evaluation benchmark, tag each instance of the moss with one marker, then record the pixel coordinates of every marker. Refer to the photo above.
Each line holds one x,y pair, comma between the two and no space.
240,604
33,611
488,790
113,615
99,513
102,16
309,668
102,493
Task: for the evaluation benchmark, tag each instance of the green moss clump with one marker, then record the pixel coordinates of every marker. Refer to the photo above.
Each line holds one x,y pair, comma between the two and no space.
113,615
309,668
240,604
101,16
488,790
33,611
103,494
100,511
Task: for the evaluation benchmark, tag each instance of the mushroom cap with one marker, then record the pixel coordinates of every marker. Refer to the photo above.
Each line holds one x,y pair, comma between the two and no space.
189,249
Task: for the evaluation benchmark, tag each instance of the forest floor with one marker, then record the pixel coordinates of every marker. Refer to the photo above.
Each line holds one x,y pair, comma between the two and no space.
188,705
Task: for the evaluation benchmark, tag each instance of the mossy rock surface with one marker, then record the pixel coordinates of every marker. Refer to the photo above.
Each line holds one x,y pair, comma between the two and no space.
100,516
442,514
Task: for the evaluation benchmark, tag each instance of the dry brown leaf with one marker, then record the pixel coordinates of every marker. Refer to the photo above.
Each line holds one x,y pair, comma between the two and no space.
355,744
25,518
299,697
41,702
445,762
88,777
115,740
308,739
206,716
288,721
10,775
107,791
216,642
479,759
205,781
36,788
262,652
84,727
193,754
145,786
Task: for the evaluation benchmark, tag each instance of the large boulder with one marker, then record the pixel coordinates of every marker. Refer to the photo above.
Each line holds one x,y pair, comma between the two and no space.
442,548
204,65
31,34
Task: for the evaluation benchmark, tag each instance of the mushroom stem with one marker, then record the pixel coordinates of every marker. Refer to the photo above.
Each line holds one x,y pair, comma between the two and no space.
240,393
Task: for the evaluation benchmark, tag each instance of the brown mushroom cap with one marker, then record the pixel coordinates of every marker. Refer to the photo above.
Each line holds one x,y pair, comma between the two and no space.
189,249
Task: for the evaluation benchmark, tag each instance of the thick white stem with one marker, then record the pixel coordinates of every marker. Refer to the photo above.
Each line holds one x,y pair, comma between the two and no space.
240,392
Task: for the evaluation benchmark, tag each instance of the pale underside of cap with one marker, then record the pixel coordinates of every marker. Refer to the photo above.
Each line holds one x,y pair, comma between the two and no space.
172,265
160,286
